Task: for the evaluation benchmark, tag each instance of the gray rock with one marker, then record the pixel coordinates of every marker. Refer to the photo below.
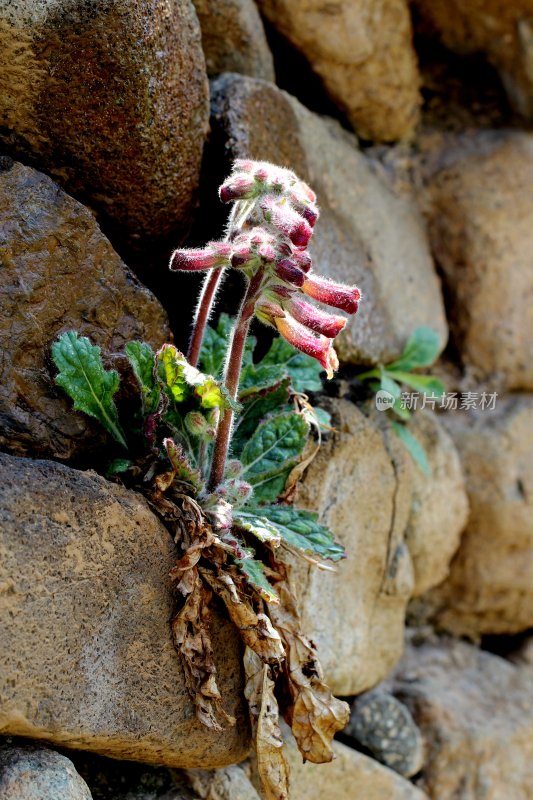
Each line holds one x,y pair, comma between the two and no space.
87,659
366,234
36,773
112,100
58,272
385,727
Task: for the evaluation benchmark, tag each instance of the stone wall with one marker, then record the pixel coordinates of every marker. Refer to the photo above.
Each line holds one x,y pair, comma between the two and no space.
412,122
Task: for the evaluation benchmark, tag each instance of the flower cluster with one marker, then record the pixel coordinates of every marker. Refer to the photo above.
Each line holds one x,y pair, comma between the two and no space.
276,213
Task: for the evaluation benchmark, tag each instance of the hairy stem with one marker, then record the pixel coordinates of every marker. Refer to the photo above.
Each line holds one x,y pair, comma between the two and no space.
203,312
232,377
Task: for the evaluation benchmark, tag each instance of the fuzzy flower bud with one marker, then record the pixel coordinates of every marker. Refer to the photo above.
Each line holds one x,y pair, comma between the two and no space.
196,424
333,294
329,325
266,311
214,254
287,270
238,187
318,347
233,468
303,259
285,219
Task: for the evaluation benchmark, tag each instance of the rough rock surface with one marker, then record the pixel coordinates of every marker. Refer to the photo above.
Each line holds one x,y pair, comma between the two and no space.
475,711
87,659
489,587
58,272
501,29
365,499
363,52
233,38
439,506
110,98
482,237
36,773
230,783
366,234
385,727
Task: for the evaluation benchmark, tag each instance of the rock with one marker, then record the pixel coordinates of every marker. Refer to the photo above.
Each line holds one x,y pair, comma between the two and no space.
87,659
500,29
233,38
481,234
112,100
230,783
58,272
439,506
363,53
385,727
35,773
366,233
475,711
489,587
365,499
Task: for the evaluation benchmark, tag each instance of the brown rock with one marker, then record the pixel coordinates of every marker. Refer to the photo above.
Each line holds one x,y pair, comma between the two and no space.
363,53
489,587
233,38
482,236
111,99
58,273
35,773
439,506
366,233
230,783
365,499
475,713
501,29
87,659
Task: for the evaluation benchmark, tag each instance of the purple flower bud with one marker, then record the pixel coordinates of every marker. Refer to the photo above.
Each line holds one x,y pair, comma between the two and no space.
285,219
289,272
238,187
282,291
303,259
214,254
333,294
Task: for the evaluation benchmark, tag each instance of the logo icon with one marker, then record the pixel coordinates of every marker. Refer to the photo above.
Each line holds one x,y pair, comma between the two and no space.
384,400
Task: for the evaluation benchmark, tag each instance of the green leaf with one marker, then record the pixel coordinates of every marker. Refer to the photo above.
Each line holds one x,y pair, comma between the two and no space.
421,350
413,446
304,371
215,347
301,529
182,466
142,360
117,466
181,380
254,573
83,377
422,383
258,526
254,409
389,385
272,451
259,378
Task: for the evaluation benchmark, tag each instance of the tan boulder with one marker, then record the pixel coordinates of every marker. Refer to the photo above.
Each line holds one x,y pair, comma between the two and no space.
482,237
87,659
36,773
356,614
439,505
475,711
59,273
112,100
489,588
501,29
367,234
363,52
233,38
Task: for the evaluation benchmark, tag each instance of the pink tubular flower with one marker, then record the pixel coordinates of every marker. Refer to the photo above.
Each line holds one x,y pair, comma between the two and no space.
287,271
285,219
333,294
303,259
214,254
318,347
329,325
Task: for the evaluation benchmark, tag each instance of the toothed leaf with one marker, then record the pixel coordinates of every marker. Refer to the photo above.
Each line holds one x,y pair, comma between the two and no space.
142,360
302,530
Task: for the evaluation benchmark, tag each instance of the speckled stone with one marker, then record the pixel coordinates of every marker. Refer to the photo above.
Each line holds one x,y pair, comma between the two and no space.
36,773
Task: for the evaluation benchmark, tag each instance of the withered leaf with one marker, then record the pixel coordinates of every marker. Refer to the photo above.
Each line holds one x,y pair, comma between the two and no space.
190,633
256,629
315,715
259,692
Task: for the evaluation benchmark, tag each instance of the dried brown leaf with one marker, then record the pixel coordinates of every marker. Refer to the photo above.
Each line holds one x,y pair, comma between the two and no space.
315,714
272,767
256,629
190,633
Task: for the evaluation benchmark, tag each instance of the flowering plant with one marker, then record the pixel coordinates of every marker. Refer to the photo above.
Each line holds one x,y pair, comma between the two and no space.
216,443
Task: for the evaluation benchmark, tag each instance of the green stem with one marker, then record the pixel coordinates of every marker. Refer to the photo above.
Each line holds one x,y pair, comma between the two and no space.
232,377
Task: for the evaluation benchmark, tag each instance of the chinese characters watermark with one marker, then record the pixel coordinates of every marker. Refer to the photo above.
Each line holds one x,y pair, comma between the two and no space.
449,401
